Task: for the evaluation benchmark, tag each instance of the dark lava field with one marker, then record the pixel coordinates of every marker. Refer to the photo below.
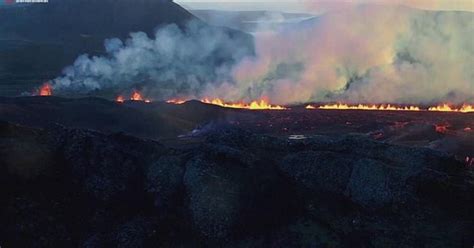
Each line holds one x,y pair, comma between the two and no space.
168,123
95,173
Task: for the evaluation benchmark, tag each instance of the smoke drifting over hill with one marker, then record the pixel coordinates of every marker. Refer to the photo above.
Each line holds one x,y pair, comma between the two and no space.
174,62
359,54
367,54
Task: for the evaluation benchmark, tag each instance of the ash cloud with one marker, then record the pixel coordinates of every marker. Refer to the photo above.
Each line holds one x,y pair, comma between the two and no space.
367,53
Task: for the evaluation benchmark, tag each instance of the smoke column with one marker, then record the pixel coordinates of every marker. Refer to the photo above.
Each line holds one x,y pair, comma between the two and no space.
173,63
368,53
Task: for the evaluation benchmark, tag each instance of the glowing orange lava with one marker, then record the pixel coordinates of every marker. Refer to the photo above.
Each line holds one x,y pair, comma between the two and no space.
176,101
465,108
441,128
46,90
265,105
255,105
388,107
120,99
136,96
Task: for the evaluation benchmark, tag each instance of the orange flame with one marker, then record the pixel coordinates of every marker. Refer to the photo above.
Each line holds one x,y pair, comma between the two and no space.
255,105
136,96
120,99
46,90
264,105
175,101
341,106
465,108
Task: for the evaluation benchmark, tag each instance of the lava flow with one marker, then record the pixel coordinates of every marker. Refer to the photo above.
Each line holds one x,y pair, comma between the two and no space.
264,105
136,96
120,99
465,108
255,105
383,107
175,101
45,90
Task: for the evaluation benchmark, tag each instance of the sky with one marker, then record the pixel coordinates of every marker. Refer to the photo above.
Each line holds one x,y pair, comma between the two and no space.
314,6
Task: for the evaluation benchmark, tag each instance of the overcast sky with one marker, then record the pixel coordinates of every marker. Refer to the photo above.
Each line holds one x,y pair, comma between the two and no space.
319,5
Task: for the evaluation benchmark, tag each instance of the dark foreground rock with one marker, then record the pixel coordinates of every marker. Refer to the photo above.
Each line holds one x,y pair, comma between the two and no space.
68,187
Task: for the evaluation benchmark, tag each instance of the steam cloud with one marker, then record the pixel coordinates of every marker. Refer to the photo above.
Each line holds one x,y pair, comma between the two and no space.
174,63
369,53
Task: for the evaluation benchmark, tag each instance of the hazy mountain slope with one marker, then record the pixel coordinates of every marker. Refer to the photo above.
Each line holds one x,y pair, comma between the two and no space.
38,40
249,21
60,20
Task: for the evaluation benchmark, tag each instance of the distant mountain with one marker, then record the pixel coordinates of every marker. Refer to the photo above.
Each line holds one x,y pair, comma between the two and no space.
38,40
249,21
71,19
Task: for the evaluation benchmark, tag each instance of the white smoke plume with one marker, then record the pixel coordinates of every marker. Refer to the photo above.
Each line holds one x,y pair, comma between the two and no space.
175,62
367,53
370,54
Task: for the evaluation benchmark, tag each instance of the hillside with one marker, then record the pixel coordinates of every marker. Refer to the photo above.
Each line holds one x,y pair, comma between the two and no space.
38,40
249,21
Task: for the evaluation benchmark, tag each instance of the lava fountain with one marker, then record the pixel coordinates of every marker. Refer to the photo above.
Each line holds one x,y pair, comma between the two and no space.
120,99
136,96
45,90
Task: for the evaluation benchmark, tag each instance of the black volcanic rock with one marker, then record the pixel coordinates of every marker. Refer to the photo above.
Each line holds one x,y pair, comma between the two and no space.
154,121
164,179
75,181
107,168
319,170
72,187
231,192
347,182
370,183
